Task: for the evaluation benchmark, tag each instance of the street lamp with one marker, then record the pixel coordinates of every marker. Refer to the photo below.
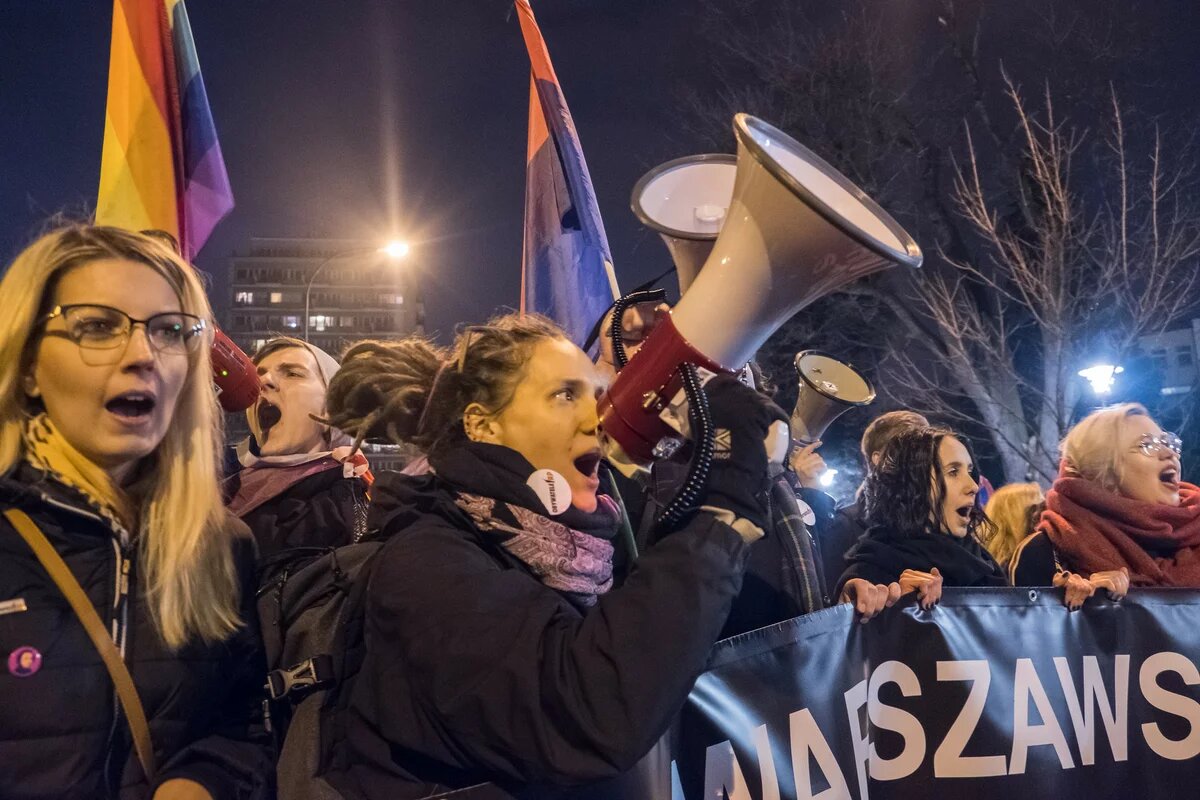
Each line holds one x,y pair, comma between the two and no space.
396,250
1101,376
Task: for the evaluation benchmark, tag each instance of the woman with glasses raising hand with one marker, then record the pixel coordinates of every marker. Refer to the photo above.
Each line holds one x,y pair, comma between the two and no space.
129,663
1118,513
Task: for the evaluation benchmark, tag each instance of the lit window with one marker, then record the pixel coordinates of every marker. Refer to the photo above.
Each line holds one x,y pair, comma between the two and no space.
291,322
244,298
276,297
320,322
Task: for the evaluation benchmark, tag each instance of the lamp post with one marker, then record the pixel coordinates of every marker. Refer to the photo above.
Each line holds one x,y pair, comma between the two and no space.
395,250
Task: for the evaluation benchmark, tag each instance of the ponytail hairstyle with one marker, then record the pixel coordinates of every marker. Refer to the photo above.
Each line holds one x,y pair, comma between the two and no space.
412,391
906,489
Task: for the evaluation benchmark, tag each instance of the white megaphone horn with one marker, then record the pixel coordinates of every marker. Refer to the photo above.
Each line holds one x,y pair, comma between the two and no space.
827,388
796,229
686,202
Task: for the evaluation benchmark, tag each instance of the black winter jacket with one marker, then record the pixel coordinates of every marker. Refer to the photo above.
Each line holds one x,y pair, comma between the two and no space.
475,671
62,734
322,510
882,555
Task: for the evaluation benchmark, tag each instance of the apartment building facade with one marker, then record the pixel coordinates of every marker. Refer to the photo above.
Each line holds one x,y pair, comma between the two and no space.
353,292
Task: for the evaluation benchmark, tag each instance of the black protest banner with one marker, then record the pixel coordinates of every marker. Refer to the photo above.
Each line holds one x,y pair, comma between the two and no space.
995,693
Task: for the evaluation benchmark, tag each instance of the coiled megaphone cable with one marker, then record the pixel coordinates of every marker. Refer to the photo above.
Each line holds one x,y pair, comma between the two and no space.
699,418
687,498
622,304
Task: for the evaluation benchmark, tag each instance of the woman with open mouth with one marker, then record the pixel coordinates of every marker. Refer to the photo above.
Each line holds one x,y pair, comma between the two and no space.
923,519
115,543
497,648
1119,513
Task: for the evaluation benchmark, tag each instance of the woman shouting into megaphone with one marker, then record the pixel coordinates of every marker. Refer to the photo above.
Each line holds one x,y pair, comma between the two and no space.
497,648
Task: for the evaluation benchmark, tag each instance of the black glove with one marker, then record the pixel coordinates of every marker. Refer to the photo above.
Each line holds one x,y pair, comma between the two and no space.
741,417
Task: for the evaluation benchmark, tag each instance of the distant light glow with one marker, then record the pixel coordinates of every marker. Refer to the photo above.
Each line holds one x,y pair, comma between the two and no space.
827,477
1101,376
395,249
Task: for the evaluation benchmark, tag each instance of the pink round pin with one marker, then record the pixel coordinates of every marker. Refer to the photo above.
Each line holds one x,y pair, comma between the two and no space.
24,661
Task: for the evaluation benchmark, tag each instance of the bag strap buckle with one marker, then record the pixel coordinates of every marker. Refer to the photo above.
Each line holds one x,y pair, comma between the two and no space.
309,674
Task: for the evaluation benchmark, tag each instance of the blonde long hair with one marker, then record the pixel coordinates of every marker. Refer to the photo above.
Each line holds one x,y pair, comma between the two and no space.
1013,510
184,535
1092,449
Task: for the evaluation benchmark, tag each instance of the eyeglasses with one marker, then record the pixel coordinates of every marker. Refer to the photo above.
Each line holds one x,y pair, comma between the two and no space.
102,331
1155,445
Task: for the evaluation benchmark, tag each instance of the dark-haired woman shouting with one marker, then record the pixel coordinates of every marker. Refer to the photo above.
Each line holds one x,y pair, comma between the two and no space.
923,519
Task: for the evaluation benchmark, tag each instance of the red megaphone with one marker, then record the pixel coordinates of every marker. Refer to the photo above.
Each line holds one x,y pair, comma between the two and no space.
234,374
795,230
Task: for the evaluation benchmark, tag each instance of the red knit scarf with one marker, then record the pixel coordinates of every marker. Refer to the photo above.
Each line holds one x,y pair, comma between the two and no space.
1094,529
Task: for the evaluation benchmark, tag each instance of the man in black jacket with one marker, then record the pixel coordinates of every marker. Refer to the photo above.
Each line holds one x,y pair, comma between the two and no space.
298,484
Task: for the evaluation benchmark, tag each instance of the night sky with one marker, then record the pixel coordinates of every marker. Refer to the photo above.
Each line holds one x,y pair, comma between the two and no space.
360,118
354,119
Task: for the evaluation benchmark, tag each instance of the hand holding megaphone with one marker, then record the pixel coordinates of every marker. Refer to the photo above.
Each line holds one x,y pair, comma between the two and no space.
739,479
795,230
808,465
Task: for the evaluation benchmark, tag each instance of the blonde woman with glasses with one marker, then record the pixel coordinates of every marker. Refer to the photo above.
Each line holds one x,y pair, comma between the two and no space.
1119,513
129,663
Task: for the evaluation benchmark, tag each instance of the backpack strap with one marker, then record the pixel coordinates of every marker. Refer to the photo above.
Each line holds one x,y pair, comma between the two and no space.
60,573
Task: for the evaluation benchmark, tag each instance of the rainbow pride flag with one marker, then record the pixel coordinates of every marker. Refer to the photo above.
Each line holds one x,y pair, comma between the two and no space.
161,166
566,267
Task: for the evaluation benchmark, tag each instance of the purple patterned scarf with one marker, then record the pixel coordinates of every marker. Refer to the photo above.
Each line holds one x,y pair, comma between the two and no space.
575,563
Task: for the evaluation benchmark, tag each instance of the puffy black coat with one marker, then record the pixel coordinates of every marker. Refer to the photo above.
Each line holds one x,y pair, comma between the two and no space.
62,734
322,510
476,671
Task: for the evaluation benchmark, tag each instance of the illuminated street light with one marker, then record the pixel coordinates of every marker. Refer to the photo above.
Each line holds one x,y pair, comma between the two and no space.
1101,377
827,477
395,250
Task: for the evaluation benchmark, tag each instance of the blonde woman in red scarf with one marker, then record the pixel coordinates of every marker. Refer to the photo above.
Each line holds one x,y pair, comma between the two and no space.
1118,515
